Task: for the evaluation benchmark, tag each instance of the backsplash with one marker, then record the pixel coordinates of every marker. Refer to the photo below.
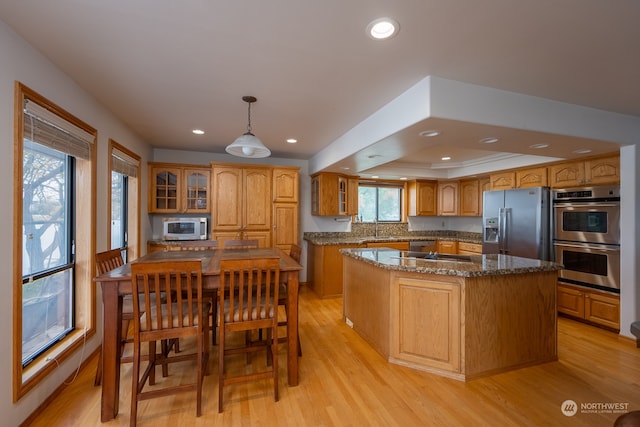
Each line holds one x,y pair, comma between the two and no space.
366,229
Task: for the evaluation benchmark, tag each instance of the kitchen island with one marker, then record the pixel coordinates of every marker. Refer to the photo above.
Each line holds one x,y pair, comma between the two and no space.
462,317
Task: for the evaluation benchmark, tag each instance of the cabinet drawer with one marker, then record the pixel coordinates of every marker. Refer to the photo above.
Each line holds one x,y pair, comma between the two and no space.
469,248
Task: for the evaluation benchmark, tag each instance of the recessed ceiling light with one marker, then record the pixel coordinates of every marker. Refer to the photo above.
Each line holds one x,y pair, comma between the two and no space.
292,140
345,168
490,140
538,146
582,151
446,158
375,176
382,28
198,131
429,133
403,178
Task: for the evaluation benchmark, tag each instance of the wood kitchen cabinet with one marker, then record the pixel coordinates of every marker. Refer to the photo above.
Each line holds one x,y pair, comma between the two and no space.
241,203
285,207
467,248
448,198
423,198
333,194
324,269
594,171
470,197
519,178
503,180
447,246
485,185
532,177
600,308
175,188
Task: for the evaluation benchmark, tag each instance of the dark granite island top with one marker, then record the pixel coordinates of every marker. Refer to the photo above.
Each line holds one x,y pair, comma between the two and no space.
463,318
463,266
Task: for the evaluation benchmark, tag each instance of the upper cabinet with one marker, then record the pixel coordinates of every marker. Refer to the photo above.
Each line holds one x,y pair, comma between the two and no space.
334,194
423,198
502,180
448,198
285,185
595,171
470,197
241,200
255,202
178,188
532,177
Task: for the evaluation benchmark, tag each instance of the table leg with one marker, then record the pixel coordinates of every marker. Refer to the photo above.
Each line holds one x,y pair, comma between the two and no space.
292,327
111,351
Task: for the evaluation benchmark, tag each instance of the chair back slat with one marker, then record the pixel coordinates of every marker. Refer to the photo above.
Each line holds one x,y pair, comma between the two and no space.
241,244
173,285
108,260
295,252
250,287
198,245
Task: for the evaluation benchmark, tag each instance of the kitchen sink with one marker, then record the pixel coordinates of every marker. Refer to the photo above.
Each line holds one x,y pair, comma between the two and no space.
434,256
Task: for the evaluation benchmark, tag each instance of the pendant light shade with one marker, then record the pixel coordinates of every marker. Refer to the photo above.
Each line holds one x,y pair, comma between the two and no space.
247,144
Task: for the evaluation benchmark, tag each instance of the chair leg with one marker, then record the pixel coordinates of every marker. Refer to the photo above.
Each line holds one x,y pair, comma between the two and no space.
98,379
274,356
220,367
135,375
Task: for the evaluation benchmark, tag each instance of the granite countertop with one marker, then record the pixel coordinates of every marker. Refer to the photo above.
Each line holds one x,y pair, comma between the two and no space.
478,265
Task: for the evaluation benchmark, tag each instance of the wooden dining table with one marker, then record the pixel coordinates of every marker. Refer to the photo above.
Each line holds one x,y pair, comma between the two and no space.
117,283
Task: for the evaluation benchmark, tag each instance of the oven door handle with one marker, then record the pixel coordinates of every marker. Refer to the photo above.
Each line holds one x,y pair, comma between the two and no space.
560,205
602,248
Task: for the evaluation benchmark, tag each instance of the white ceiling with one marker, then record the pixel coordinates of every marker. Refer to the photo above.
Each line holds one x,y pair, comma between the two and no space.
166,67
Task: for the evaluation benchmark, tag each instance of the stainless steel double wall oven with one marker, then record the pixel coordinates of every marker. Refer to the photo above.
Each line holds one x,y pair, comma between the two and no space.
587,236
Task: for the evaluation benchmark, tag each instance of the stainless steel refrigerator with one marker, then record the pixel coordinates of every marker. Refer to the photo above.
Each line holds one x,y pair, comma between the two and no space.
517,222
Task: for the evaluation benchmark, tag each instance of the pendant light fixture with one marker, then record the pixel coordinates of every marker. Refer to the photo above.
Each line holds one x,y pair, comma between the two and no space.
247,144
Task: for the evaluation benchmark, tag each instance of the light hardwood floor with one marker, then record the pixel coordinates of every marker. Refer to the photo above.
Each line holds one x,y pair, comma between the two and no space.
343,382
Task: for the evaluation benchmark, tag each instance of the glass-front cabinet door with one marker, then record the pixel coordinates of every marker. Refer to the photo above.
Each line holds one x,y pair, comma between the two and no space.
165,190
196,194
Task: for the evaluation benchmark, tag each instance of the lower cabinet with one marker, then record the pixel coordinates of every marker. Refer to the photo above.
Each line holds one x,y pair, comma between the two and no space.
466,248
447,246
596,307
324,269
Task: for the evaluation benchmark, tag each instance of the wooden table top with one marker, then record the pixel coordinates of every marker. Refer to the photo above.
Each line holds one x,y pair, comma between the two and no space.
210,261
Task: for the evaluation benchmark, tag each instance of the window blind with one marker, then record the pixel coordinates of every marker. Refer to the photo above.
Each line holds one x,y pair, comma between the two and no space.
46,128
123,163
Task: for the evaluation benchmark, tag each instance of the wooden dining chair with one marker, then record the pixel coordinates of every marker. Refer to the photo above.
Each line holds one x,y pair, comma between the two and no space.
182,313
107,261
249,303
295,252
205,245
198,245
240,244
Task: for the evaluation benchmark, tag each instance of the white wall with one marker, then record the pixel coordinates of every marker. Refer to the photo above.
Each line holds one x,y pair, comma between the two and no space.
629,238
22,63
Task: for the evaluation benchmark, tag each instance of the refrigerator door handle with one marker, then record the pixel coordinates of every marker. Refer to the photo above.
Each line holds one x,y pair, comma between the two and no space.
506,213
500,230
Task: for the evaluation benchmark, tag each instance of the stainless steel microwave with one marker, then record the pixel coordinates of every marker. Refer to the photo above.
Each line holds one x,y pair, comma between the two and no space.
184,229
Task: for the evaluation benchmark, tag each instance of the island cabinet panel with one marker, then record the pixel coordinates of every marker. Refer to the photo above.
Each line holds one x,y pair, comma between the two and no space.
510,322
425,323
366,306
